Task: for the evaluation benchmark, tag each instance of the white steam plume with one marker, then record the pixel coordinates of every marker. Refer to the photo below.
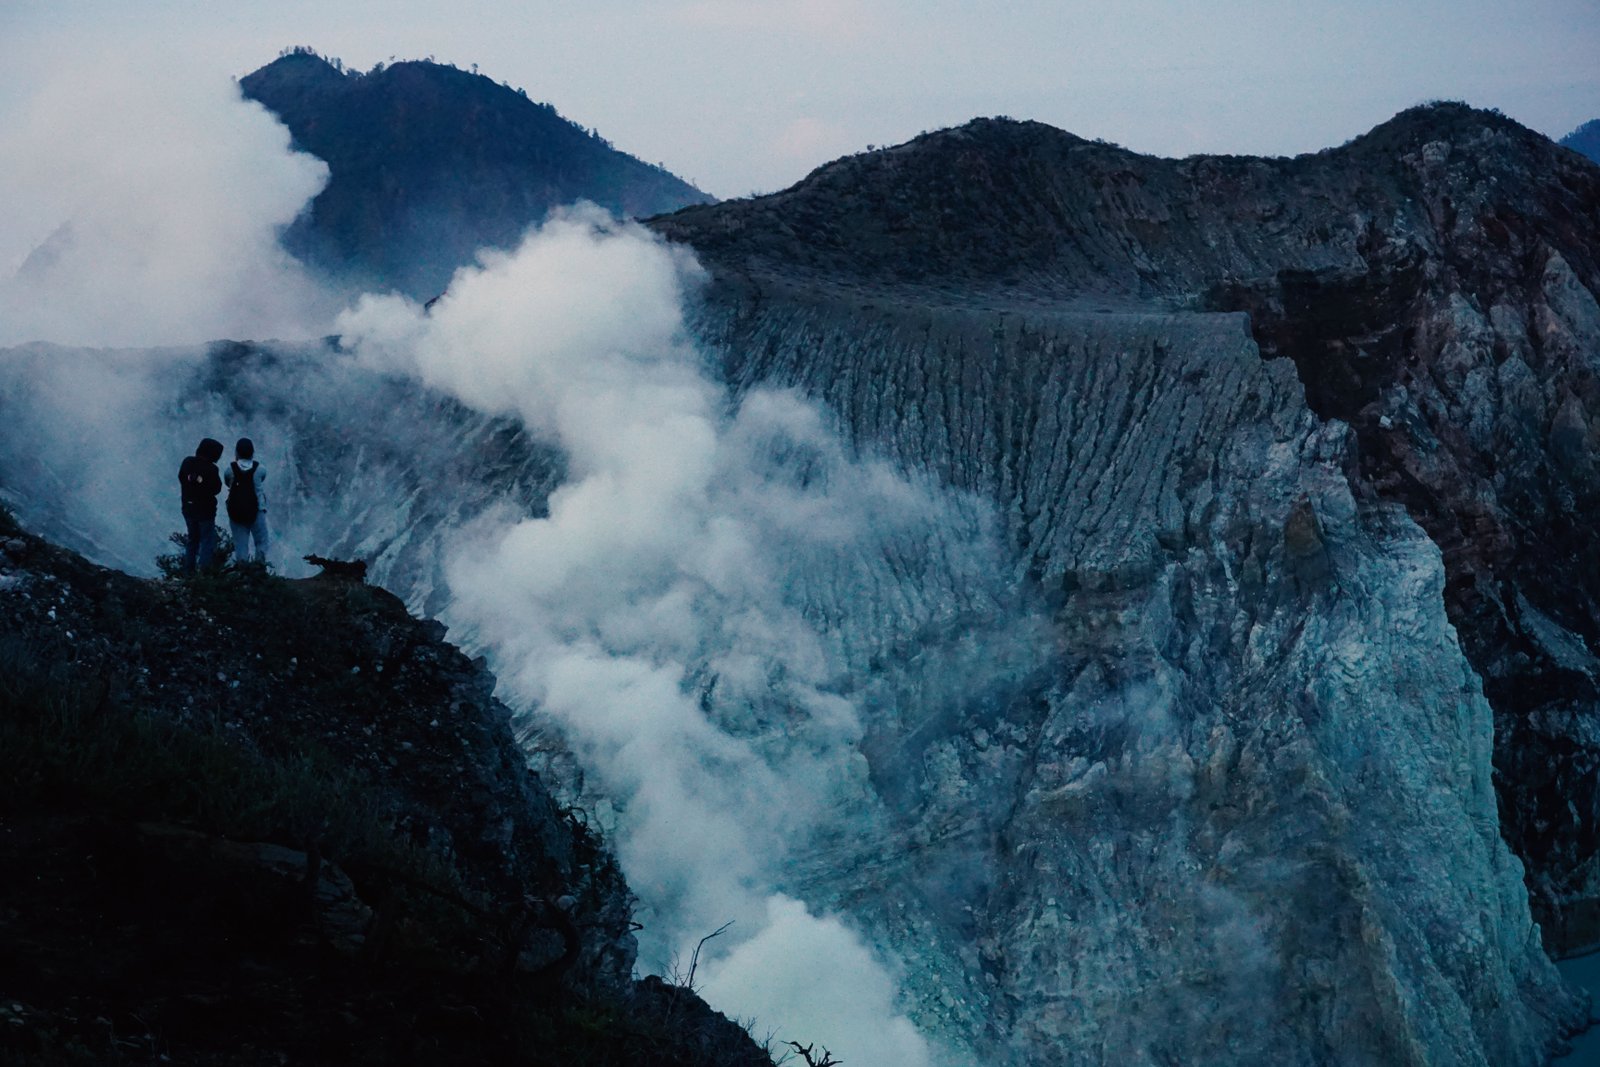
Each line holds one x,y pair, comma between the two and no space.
143,206
661,612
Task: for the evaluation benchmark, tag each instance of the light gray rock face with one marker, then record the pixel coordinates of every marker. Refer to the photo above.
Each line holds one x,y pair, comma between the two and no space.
1464,352
1248,817
358,464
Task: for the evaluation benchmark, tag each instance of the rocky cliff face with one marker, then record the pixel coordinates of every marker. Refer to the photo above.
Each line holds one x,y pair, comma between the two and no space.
1239,820
1262,773
1463,352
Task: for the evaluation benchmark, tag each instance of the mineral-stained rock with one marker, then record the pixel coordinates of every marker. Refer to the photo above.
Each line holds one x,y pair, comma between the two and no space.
1465,354
1249,818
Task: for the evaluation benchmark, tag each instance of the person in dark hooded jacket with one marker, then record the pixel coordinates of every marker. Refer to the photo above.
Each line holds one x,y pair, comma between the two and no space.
200,483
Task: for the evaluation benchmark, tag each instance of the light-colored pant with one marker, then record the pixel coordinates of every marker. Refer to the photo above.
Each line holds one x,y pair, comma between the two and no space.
243,534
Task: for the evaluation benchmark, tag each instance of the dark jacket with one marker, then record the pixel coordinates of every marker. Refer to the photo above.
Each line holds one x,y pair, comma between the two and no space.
199,481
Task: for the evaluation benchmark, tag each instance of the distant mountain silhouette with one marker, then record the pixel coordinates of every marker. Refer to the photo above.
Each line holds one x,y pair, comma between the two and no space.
430,163
1585,140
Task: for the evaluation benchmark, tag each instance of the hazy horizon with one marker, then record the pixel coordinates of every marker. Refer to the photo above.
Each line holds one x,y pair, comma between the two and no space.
741,97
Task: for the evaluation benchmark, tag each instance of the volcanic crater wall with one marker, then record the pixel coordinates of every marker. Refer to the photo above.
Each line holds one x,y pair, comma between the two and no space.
1250,808
1248,816
1232,550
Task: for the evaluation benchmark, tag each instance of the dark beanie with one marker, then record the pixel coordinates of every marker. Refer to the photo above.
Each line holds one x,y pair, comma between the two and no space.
245,449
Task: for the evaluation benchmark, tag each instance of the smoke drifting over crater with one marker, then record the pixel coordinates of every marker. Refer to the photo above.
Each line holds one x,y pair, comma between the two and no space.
698,608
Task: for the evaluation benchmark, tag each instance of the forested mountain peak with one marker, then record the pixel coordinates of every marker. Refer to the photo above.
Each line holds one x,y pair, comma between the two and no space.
429,163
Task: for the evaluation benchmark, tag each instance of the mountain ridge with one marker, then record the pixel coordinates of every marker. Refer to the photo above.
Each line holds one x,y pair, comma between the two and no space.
1034,214
429,163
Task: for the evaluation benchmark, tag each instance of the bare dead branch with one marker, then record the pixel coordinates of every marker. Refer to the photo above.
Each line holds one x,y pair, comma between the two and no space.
808,1053
694,960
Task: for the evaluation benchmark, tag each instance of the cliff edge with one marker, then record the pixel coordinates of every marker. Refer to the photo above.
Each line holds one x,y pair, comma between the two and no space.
257,821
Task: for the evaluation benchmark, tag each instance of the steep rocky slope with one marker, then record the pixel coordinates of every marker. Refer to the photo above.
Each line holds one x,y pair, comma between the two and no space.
1433,283
249,820
429,164
1464,353
1251,620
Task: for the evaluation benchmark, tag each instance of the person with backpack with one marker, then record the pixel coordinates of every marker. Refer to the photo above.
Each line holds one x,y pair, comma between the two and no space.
247,502
199,484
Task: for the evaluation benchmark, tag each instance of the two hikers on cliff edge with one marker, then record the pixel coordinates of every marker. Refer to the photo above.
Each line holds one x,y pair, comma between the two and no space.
201,483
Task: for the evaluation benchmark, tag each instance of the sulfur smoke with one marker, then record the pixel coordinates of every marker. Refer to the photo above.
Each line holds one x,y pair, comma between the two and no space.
695,608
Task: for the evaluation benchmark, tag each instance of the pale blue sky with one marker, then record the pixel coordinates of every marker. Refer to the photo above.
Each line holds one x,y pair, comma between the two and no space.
749,95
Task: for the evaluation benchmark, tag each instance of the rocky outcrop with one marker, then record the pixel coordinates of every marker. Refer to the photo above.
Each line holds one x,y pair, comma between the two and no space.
270,821
1464,353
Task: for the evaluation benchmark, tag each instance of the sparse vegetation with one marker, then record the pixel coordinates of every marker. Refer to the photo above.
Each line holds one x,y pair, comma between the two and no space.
812,1057
70,749
170,564
70,746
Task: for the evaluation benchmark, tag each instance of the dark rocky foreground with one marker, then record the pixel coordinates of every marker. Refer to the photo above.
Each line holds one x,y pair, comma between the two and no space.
253,821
